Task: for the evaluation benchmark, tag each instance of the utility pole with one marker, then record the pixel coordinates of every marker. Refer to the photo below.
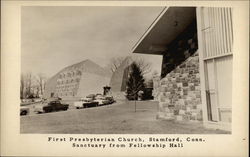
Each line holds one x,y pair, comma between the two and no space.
135,101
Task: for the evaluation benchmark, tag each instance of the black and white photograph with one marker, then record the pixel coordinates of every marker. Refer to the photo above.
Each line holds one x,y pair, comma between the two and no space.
124,78
126,70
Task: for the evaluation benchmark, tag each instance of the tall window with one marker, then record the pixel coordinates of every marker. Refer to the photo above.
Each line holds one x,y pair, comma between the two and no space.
217,33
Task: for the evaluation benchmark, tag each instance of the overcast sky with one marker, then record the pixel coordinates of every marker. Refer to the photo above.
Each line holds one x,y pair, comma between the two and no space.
55,37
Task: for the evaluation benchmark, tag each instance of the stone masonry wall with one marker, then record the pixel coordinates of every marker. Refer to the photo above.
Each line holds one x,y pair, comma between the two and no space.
179,95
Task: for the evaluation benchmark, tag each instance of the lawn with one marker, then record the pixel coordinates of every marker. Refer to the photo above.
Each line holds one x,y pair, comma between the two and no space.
118,118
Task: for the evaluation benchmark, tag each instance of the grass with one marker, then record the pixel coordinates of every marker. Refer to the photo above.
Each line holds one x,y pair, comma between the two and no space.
119,118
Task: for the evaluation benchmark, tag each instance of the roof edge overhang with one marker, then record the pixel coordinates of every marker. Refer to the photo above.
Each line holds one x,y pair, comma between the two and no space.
149,29
165,28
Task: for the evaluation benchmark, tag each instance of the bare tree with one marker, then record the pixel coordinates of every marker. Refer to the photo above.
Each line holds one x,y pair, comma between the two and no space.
40,80
144,66
115,62
28,82
22,87
155,73
32,85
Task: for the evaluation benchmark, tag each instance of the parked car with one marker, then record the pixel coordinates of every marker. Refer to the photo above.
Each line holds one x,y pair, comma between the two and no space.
90,97
39,108
101,100
110,99
85,102
24,110
52,106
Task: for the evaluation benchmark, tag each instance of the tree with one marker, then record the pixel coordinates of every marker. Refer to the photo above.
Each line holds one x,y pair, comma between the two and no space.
28,82
40,80
144,66
22,87
115,62
135,82
32,85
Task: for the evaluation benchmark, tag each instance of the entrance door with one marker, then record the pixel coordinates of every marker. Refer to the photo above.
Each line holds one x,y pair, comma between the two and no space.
219,88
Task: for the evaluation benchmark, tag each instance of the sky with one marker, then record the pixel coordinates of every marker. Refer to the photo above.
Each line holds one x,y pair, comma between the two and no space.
54,37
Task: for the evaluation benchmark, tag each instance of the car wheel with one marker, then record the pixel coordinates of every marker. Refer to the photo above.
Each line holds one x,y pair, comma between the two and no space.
23,113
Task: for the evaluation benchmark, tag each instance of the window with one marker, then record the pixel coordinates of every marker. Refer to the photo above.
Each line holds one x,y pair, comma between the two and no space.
217,42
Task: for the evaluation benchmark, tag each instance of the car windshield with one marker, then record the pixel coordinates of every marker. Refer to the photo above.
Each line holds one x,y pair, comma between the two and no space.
90,96
100,97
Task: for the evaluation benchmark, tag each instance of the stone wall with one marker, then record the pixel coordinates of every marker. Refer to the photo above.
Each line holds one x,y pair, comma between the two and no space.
179,95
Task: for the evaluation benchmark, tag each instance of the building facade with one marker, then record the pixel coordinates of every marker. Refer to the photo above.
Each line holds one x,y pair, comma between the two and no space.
196,76
118,81
77,80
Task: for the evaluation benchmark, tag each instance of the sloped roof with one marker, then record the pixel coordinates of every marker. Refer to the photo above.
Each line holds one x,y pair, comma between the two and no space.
167,26
88,66
118,77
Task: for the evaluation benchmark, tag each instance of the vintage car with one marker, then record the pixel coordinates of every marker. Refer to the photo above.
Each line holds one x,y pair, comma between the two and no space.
85,102
24,110
110,99
52,106
101,100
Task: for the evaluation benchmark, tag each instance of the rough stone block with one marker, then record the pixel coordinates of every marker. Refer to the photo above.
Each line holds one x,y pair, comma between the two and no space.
169,114
162,99
189,98
183,108
179,84
168,101
174,85
181,102
181,112
170,106
184,75
198,96
167,109
199,116
176,112
179,118
199,106
190,84
177,106
192,88
172,92
185,84
197,87
179,88
186,117
197,75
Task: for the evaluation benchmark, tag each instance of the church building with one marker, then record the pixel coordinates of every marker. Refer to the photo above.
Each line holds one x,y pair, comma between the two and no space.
196,44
